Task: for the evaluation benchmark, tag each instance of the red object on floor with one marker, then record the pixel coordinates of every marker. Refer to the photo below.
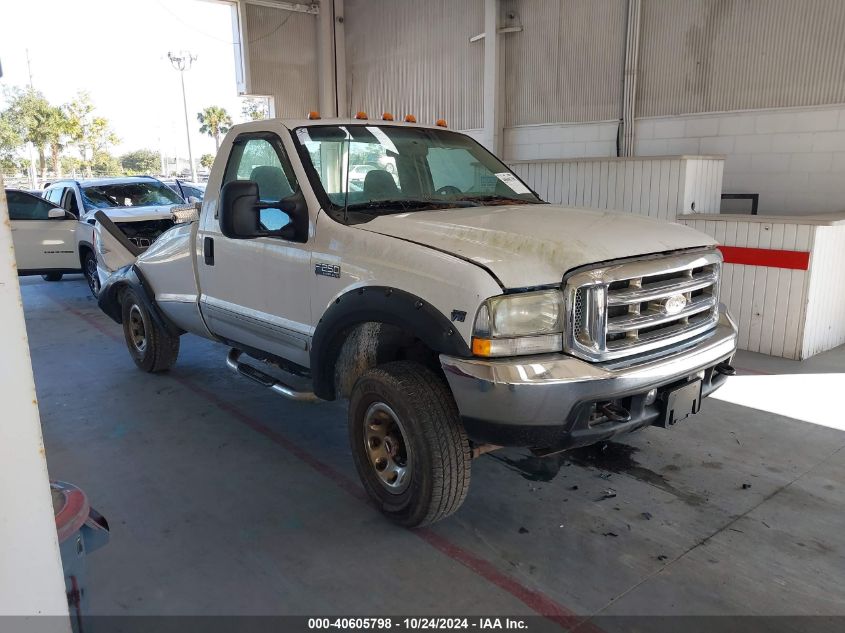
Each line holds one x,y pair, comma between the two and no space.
770,258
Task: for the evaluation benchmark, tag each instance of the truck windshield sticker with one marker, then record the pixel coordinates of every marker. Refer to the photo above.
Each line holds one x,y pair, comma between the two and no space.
513,182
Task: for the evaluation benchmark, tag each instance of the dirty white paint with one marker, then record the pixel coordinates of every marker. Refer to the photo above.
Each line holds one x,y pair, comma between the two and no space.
31,579
782,312
660,187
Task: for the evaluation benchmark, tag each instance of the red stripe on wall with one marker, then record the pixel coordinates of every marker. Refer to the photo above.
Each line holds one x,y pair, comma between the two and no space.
794,260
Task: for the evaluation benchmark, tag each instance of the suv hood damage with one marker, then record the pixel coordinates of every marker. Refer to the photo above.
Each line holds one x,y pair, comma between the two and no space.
534,245
139,214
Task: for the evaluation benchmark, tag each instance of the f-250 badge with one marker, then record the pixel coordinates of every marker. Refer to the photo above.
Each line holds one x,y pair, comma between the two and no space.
327,270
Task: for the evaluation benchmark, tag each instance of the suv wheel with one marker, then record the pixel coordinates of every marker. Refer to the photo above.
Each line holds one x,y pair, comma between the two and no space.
152,348
89,268
408,443
52,277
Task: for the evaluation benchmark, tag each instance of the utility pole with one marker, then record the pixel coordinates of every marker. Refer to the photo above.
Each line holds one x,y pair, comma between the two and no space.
29,69
182,61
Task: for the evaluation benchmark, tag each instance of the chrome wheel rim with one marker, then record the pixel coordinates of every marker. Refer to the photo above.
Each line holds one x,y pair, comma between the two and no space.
384,441
91,275
137,329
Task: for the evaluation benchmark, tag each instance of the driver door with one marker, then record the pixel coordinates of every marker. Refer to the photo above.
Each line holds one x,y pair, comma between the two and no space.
255,292
42,243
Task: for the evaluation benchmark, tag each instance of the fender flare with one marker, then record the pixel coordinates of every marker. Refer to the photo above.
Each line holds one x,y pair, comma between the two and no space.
379,304
131,277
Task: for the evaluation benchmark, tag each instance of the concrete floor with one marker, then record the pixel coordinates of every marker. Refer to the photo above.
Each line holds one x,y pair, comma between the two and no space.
225,499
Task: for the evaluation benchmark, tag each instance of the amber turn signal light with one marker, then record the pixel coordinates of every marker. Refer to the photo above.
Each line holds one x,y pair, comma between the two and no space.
361,115
410,118
480,346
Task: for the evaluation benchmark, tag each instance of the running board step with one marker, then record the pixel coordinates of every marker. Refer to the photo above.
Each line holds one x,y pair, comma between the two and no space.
266,380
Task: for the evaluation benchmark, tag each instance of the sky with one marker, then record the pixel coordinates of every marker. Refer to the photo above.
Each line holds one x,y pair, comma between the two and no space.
117,51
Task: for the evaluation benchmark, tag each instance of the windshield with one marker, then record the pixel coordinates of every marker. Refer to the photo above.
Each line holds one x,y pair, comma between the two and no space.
394,169
128,194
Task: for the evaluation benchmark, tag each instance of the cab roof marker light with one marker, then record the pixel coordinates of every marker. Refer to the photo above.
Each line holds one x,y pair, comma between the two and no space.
313,115
440,123
361,116
410,118
387,116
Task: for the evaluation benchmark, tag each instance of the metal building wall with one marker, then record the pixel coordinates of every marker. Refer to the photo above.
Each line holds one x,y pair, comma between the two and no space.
281,53
718,55
406,56
566,64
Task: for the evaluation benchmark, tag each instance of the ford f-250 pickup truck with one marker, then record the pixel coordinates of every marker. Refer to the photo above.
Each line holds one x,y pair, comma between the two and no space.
454,309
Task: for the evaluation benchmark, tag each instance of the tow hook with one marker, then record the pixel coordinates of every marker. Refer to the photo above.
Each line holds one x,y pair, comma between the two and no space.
615,412
726,369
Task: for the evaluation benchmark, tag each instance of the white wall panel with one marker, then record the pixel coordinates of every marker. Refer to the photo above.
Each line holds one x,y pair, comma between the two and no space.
281,52
782,311
406,57
566,64
719,55
825,327
658,187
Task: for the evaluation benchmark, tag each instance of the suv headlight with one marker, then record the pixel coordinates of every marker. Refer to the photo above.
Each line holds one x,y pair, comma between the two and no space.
518,324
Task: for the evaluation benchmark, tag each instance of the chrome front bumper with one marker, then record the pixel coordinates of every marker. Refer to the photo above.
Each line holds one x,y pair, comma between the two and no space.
531,399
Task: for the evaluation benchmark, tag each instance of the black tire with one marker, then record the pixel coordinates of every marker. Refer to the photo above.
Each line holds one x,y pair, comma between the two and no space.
437,454
89,269
52,277
152,348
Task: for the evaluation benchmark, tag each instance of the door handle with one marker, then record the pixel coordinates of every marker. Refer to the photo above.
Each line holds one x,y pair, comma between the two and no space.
208,251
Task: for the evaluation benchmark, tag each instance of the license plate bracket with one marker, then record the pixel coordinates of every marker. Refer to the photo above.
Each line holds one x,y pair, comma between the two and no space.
680,403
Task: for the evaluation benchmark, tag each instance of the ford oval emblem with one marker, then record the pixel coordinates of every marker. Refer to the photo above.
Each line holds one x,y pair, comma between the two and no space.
674,304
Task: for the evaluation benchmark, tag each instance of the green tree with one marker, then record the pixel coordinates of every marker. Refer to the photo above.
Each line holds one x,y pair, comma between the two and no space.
207,160
214,121
104,164
10,143
91,134
141,161
29,113
57,128
255,109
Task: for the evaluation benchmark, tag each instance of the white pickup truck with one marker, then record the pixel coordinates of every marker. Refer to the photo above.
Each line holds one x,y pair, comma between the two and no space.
455,310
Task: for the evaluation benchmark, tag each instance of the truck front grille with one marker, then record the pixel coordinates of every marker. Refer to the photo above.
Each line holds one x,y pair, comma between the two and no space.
633,307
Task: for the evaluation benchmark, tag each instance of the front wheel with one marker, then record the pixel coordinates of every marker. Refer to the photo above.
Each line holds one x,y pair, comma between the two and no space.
89,268
408,443
52,277
152,348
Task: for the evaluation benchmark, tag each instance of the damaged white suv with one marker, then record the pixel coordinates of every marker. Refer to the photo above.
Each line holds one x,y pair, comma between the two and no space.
454,309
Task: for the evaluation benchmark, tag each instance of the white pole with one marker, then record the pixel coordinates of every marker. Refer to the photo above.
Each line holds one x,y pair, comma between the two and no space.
31,577
493,95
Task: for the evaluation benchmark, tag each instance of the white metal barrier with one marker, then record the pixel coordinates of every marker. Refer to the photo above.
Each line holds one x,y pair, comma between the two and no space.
783,280
662,187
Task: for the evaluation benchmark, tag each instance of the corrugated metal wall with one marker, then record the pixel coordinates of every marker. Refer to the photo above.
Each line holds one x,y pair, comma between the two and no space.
407,56
566,64
281,47
715,55
662,188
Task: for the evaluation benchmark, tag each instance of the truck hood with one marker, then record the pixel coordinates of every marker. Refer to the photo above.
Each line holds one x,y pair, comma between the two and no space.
138,214
533,245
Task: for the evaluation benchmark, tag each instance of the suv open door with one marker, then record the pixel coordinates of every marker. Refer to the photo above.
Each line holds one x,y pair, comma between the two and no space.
44,236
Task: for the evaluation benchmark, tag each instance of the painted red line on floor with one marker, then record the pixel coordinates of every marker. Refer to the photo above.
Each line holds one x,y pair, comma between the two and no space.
769,258
534,600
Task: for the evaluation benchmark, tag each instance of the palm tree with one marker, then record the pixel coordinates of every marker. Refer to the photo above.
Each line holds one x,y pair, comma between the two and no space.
215,121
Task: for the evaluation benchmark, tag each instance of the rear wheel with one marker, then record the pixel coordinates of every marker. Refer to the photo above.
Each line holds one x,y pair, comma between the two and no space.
152,348
52,277
408,443
89,268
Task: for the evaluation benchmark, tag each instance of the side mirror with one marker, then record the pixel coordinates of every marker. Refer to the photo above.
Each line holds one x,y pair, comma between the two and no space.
240,213
193,200
57,214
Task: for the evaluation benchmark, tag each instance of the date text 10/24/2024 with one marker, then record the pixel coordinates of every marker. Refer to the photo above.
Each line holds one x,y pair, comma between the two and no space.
417,623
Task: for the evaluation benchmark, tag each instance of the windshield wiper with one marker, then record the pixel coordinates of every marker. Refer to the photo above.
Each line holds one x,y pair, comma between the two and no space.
398,206
494,199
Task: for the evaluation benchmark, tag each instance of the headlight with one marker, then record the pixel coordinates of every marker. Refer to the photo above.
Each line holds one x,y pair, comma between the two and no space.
524,323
